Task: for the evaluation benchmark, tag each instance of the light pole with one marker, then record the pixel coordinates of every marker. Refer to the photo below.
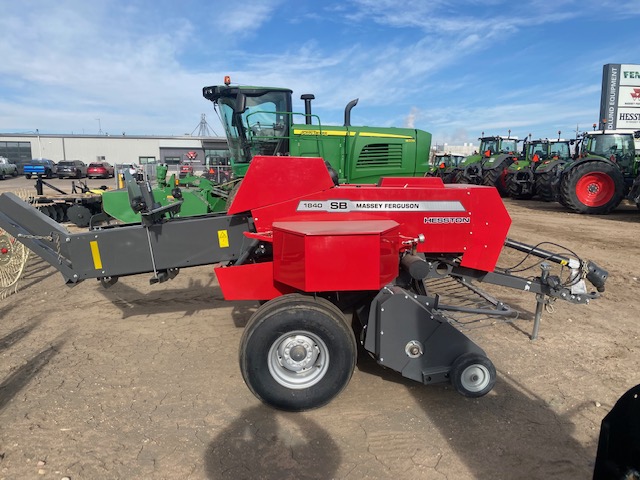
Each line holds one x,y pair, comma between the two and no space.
39,143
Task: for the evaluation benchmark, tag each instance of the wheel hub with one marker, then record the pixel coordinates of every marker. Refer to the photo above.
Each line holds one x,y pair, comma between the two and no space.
475,378
298,353
298,359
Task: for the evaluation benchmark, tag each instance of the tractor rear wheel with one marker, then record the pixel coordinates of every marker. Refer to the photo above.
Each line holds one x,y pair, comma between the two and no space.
473,375
544,185
297,352
593,188
496,177
514,188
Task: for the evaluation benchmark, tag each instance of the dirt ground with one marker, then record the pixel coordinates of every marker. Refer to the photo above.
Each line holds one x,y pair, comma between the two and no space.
142,381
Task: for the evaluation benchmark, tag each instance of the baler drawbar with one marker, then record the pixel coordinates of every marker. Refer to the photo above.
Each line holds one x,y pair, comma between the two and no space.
315,252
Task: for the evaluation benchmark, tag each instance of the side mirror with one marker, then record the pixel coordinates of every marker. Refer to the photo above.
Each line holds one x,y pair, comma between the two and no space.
241,103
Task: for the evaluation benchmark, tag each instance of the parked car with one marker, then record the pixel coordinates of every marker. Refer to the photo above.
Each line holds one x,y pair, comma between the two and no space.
7,168
71,169
42,167
100,170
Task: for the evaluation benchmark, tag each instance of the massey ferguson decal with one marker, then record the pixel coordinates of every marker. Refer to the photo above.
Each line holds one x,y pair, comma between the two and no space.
377,206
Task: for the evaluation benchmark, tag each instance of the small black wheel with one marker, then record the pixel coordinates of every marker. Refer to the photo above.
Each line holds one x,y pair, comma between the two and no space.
473,375
297,352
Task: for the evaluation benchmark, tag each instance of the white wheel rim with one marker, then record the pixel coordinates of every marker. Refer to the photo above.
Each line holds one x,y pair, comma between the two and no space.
475,378
298,360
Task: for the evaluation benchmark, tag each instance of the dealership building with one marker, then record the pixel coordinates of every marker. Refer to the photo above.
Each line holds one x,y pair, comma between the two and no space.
201,152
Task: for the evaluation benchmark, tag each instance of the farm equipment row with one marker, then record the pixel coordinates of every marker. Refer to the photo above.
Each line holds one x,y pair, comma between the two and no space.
590,174
316,252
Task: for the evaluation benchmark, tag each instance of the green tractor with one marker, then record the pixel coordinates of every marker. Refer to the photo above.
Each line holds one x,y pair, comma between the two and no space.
521,174
260,121
443,166
489,166
600,178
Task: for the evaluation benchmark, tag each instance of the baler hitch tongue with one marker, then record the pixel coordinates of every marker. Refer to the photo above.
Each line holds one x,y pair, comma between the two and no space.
597,276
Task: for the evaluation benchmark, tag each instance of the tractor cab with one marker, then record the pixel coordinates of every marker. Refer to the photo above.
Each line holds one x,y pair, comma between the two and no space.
490,146
617,146
257,121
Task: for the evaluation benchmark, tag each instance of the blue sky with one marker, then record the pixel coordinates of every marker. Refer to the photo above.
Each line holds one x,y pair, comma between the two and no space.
453,68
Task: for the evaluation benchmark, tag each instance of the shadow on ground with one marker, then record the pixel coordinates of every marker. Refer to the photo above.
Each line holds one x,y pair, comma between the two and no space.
265,443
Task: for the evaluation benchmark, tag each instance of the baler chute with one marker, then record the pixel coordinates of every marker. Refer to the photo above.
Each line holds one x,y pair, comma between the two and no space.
315,252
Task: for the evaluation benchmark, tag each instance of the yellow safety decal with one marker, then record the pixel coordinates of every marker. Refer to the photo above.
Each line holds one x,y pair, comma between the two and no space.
223,238
564,262
387,135
95,253
344,133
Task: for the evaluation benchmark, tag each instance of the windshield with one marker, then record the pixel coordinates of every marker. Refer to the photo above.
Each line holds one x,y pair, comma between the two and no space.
560,150
605,145
616,147
509,146
261,129
490,144
537,148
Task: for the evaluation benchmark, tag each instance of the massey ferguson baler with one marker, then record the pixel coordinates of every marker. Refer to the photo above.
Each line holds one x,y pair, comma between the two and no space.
315,252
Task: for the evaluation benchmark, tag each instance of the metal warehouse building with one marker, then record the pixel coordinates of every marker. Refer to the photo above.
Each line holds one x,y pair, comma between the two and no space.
142,150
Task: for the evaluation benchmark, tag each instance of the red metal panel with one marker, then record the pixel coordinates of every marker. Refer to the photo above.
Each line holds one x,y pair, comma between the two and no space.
471,220
253,281
431,182
335,256
271,180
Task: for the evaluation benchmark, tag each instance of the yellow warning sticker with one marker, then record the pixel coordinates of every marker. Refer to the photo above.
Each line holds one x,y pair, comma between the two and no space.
95,253
223,238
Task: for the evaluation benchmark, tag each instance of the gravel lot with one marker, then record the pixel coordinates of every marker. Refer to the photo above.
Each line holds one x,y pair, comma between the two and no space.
142,381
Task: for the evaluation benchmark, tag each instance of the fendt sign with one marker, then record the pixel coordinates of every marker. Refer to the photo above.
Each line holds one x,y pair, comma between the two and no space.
620,101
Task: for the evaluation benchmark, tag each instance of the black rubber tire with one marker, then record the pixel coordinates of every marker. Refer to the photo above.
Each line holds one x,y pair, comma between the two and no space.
471,174
514,188
1,176
570,186
27,176
303,317
473,375
544,185
450,177
495,177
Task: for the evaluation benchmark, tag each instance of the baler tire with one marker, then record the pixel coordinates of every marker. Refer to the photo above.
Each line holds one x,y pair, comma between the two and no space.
473,375
312,325
604,179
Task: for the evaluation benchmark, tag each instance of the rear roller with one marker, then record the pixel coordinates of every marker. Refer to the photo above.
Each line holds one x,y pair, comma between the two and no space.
297,352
